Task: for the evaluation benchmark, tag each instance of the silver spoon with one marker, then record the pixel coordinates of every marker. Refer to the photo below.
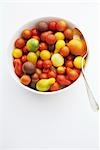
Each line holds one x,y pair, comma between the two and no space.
94,105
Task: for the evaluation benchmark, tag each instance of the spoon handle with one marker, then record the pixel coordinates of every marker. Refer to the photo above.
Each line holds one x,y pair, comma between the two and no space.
91,97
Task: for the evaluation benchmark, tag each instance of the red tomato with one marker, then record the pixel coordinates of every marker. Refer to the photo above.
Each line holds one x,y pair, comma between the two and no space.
25,79
70,57
36,37
45,70
24,58
50,39
26,34
67,82
52,25
39,64
44,35
35,32
77,70
52,74
35,76
64,51
68,34
18,67
15,61
61,79
55,87
43,76
47,63
72,74
69,63
19,43
43,46
61,25
25,50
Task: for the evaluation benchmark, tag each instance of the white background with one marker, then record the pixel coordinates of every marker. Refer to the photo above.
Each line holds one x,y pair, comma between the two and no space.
57,121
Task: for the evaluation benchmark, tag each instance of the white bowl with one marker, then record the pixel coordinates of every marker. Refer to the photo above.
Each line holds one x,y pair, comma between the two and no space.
10,58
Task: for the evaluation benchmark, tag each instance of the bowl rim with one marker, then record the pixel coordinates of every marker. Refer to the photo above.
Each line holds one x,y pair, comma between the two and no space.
30,24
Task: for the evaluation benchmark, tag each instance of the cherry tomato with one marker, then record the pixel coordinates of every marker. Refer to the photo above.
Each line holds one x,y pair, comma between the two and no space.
19,43
77,70
25,50
55,87
61,79
61,70
70,57
35,32
25,79
35,76
18,67
45,70
24,58
64,51
61,25
36,37
43,76
26,34
43,46
69,63
50,39
39,64
44,35
52,25
72,74
52,74
47,63
38,71
68,34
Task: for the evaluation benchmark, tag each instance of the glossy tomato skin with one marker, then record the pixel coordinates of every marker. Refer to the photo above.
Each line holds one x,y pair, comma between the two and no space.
24,58
55,87
45,70
44,35
43,46
72,74
68,34
39,64
43,76
20,43
18,67
26,34
25,79
52,25
50,39
47,63
42,26
61,70
36,37
52,74
25,50
61,25
70,57
69,63
35,32
64,51
61,79
35,76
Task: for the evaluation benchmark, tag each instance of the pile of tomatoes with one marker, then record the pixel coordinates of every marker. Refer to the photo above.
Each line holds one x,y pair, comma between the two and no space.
47,57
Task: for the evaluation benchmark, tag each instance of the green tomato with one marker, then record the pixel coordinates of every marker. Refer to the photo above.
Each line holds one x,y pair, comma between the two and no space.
32,45
57,60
